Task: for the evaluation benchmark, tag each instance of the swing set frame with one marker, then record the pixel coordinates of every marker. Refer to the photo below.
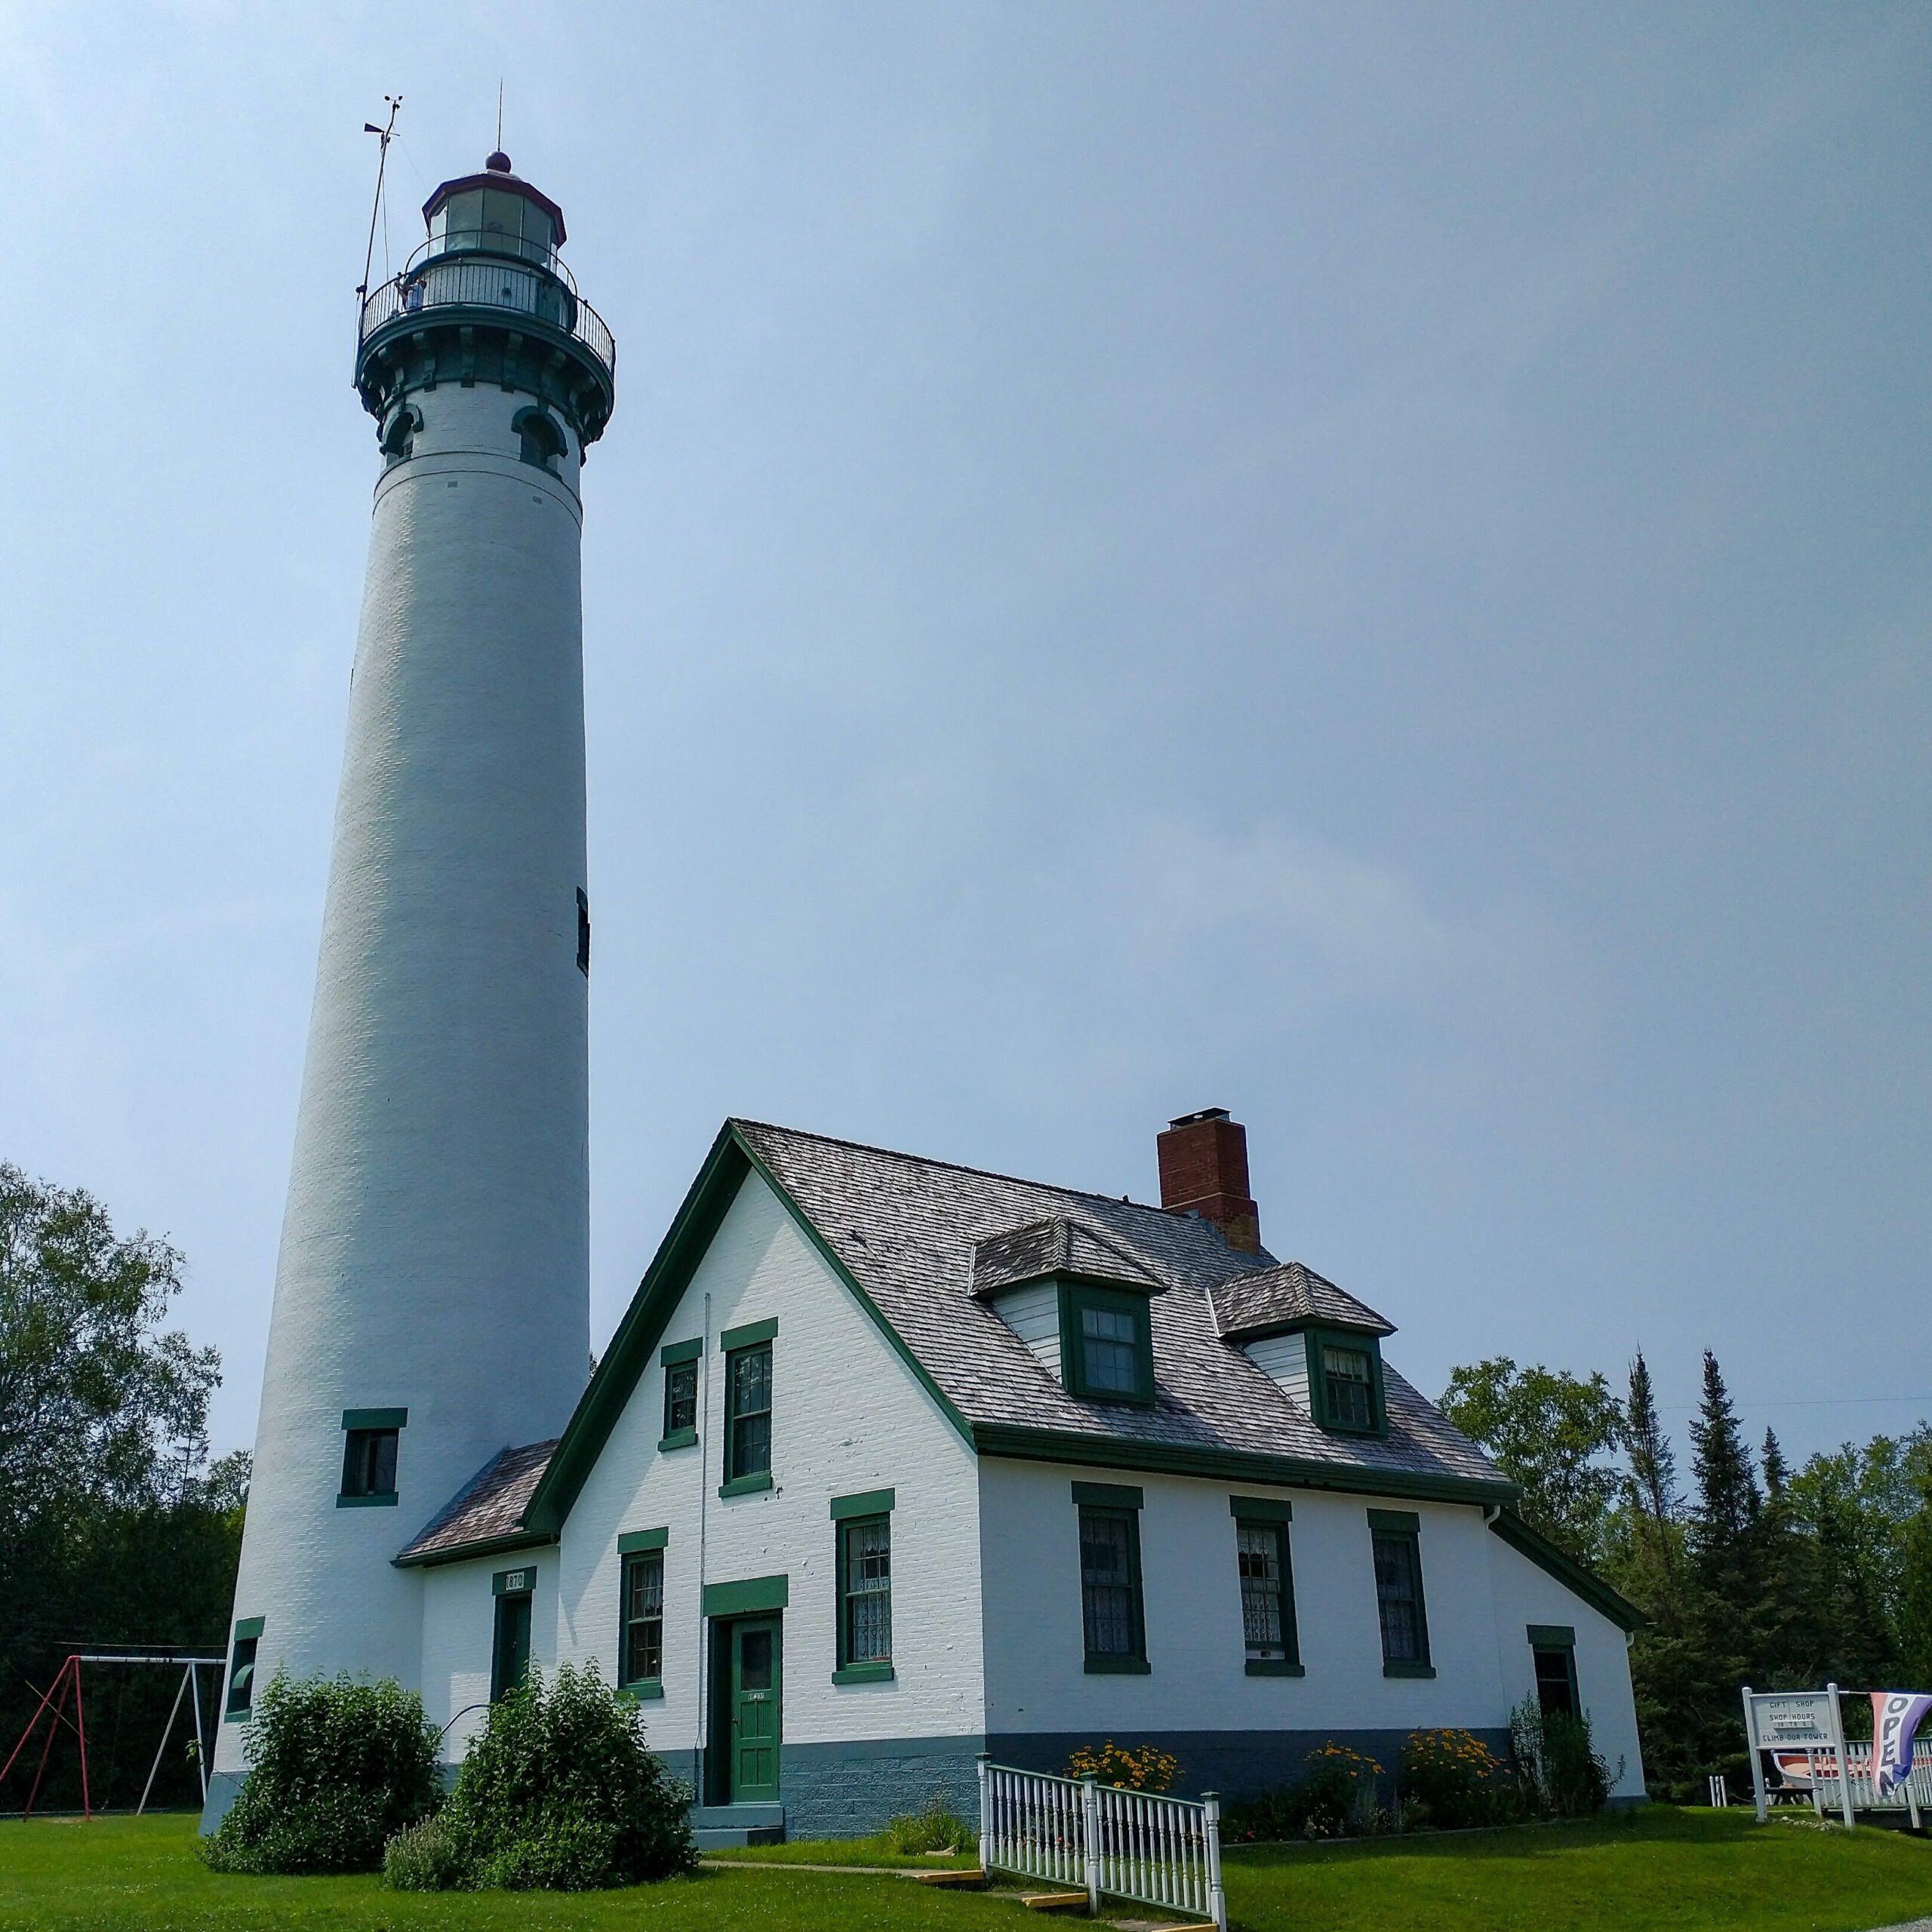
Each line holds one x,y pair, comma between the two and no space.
53,1706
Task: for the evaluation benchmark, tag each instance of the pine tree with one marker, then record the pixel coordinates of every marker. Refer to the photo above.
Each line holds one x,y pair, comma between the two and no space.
1777,1471
1728,1503
1653,1460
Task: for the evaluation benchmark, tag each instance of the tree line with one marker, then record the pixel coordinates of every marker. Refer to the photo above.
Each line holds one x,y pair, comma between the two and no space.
1754,1573
116,1530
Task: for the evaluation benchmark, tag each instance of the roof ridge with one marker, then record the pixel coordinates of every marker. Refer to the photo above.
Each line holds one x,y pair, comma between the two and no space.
957,1167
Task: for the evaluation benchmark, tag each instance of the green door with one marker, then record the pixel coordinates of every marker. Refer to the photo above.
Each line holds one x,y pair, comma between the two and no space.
510,1655
756,1674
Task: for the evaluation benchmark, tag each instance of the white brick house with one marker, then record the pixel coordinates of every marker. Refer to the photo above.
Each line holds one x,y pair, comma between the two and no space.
890,1463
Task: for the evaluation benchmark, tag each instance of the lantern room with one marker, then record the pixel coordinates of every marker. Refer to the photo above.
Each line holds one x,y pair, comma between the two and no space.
494,213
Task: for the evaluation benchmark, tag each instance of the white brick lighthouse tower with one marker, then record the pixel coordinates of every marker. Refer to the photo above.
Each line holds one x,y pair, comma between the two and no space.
431,1300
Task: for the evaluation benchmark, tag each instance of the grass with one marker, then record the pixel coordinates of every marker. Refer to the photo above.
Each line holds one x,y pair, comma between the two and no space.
141,1874
1660,1870
875,1852
1657,1870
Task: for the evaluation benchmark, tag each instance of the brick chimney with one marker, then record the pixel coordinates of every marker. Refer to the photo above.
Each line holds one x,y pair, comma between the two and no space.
1203,1171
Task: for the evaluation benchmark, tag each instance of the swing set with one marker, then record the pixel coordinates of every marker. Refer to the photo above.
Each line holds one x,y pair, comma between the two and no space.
66,1683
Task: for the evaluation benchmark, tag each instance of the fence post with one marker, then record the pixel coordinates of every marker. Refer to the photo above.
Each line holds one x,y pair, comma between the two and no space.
985,1760
1217,1902
1089,1831
1751,1744
1844,1757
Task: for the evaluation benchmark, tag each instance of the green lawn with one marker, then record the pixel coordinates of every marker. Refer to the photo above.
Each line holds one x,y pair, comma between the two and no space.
1659,1870
141,1874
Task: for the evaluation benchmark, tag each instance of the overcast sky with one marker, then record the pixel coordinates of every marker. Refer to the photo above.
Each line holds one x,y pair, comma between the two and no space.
1364,565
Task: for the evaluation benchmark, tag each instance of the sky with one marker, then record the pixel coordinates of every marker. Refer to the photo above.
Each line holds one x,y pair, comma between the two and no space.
1366,565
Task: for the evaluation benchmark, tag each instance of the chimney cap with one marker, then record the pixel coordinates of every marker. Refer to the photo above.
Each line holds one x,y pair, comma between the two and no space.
1206,1113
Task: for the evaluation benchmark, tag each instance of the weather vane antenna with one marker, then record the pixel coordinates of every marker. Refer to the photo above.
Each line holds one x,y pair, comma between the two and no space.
384,135
499,114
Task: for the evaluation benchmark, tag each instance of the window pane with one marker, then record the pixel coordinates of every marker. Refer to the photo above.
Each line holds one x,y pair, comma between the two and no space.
1396,1596
1555,1692
868,1590
681,1397
1350,1377
751,1411
1259,1556
644,1616
1106,1584
1109,1361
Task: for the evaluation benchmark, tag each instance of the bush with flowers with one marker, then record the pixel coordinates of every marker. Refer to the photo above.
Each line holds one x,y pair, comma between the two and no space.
1147,1768
1335,1798
1456,1778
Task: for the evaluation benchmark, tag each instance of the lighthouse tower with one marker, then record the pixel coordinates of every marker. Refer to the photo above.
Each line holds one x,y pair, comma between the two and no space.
432,1298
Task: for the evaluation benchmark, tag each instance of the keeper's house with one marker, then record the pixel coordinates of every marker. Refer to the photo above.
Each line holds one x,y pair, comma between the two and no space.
891,1462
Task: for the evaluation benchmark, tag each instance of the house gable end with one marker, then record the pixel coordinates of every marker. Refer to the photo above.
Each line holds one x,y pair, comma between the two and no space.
631,1353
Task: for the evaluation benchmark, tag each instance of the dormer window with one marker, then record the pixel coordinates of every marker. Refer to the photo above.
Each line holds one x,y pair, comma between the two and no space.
1348,1391
1111,1357
1322,1345
1082,1304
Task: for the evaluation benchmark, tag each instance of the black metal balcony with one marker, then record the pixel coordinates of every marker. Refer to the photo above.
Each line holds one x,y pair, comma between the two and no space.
486,271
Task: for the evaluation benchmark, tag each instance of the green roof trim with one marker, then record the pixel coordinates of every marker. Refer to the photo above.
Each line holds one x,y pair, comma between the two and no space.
1567,1571
1024,1444
463,1552
629,1355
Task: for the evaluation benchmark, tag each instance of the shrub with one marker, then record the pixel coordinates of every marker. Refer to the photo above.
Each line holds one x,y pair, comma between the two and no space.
559,1791
937,1828
1334,1799
1558,1769
1455,1777
428,1857
336,1768
1149,1768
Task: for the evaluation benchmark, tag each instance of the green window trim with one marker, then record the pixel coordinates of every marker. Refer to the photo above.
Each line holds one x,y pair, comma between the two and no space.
861,1587
881,1672
238,1705
1109,1495
749,1336
867,1502
647,1692
519,1582
678,1439
750,1398
375,1418
1397,1534
1316,1340
1098,1613
1078,1299
747,1597
386,1499
1552,1637
674,1352
640,1560
1262,1508
1555,1640
1273,1526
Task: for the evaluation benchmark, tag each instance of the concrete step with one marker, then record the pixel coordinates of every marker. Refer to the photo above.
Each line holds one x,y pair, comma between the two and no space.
717,1827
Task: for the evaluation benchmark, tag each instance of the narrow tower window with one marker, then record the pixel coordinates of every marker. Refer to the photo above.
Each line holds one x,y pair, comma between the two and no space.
370,1438
583,932
543,441
398,437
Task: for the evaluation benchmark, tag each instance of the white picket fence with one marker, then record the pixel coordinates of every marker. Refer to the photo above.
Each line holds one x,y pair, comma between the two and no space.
1102,1840
1913,1796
